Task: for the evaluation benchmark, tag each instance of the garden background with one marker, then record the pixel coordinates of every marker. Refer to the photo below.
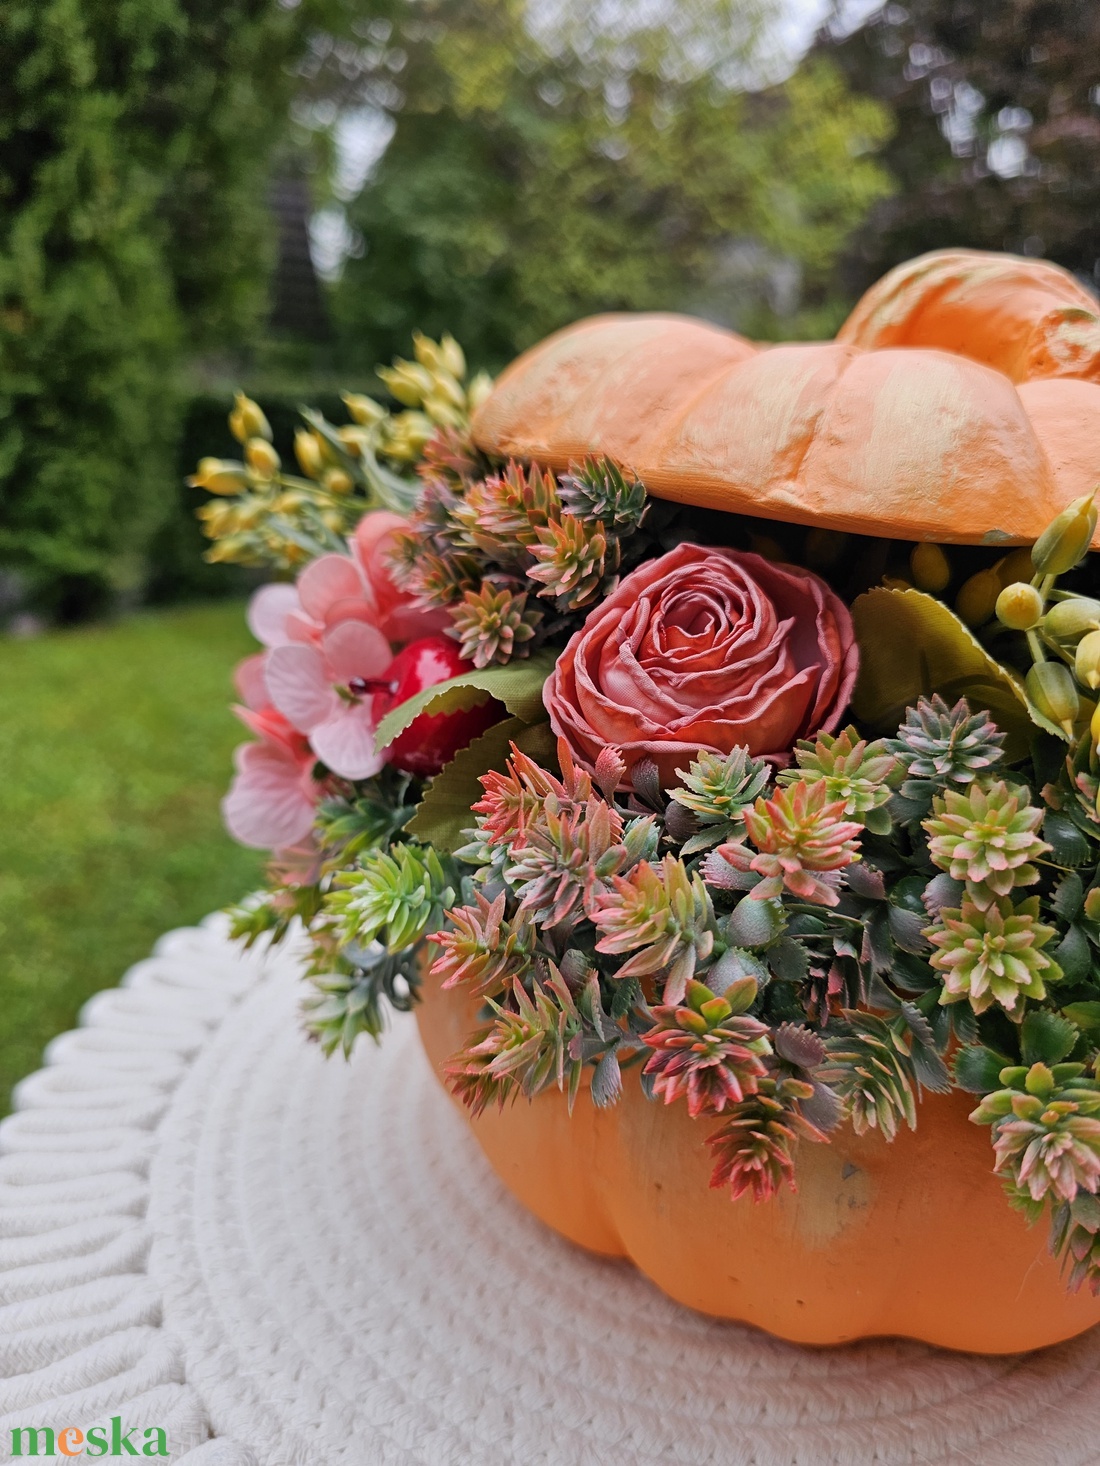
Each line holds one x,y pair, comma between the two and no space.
203,195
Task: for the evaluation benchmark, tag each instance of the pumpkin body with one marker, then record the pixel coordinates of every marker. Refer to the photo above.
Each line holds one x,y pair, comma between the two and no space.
915,1238
960,403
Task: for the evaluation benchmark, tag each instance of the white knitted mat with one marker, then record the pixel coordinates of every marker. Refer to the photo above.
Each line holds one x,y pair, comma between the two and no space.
285,1261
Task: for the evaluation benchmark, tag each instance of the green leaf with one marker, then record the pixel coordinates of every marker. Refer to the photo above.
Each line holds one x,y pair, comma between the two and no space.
911,646
444,812
518,686
1045,1037
754,923
1086,1015
607,1082
1069,896
978,1069
1068,845
788,960
1073,955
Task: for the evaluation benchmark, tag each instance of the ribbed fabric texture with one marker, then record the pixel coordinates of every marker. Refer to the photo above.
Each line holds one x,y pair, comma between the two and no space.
287,1261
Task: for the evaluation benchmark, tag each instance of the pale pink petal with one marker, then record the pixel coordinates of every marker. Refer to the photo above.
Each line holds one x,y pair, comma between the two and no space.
405,622
268,804
373,528
248,679
298,686
302,629
268,723
267,613
328,580
357,610
345,742
355,649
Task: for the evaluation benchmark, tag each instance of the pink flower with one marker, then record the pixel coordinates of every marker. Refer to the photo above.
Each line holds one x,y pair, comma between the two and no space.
271,800
704,649
371,547
328,692
338,588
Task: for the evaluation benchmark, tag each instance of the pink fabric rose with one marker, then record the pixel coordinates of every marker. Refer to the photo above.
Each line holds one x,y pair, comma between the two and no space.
705,648
271,801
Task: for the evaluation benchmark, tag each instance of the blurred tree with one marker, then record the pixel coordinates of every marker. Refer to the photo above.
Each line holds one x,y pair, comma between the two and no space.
134,144
535,176
997,144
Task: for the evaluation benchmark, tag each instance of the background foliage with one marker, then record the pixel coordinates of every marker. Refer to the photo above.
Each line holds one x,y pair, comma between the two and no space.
996,143
115,744
534,179
134,148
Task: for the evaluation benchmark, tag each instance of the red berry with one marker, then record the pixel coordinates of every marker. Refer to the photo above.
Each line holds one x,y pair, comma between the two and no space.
431,739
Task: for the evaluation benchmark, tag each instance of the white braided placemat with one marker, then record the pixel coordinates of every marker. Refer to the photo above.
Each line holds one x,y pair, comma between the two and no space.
291,1262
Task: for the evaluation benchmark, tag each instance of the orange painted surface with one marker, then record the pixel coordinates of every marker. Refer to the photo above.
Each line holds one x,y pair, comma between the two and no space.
913,1239
945,410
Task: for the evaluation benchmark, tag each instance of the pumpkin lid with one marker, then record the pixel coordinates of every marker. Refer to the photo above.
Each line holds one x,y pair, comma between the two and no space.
960,403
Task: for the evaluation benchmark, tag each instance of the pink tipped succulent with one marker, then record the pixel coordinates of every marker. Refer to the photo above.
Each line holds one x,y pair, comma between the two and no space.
993,955
708,1050
987,837
802,843
664,916
479,949
753,1149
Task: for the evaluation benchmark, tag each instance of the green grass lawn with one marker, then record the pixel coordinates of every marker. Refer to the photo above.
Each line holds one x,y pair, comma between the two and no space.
115,747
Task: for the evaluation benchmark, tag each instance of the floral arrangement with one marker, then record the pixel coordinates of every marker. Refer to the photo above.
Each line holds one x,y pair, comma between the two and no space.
788,824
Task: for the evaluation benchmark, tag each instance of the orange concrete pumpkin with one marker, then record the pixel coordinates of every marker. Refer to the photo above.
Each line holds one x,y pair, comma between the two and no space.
960,403
914,1238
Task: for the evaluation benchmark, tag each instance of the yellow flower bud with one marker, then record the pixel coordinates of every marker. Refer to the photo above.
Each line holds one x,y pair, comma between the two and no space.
226,551
1019,606
443,412
218,518
1066,539
364,410
452,356
1053,693
247,420
218,476
930,568
334,520
337,481
408,432
977,597
249,512
355,440
478,390
1067,620
1092,904
261,457
307,450
408,381
1015,566
290,501
1087,662
447,389
427,353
